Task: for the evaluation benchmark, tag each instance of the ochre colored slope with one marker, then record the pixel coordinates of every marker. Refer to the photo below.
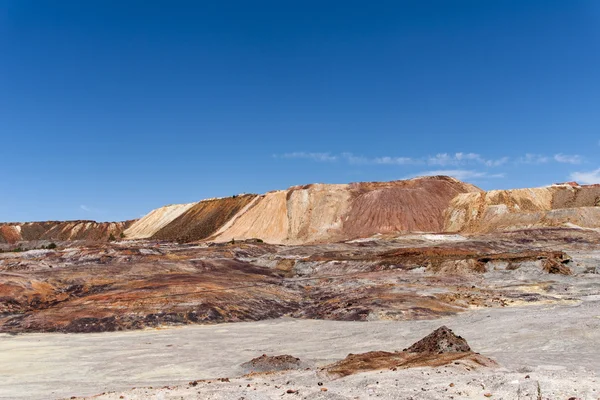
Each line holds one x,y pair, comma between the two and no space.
155,220
266,220
499,210
321,213
203,219
316,212
65,230
300,214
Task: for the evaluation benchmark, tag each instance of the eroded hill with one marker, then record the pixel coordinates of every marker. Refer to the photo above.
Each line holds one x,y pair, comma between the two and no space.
61,230
326,213
311,213
564,205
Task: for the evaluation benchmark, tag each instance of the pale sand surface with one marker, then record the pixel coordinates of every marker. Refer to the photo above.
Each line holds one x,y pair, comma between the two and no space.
558,345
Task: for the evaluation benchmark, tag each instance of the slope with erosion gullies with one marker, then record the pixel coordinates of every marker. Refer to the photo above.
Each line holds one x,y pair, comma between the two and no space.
265,219
324,212
61,230
203,219
308,214
401,206
155,220
498,210
298,215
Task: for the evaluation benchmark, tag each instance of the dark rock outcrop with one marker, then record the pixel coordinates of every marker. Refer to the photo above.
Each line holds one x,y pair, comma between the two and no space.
442,340
267,363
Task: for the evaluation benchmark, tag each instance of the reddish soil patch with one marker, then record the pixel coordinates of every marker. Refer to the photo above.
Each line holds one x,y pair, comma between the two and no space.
401,206
9,234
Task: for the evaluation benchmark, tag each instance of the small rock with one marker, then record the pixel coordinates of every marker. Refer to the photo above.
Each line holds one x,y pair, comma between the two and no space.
442,340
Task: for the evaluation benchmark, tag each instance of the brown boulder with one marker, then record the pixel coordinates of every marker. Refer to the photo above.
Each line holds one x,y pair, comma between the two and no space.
442,340
267,363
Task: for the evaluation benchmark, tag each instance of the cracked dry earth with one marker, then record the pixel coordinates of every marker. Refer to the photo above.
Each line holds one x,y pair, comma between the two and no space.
371,294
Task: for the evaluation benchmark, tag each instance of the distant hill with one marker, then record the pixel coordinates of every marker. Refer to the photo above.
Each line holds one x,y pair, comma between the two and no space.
310,213
334,212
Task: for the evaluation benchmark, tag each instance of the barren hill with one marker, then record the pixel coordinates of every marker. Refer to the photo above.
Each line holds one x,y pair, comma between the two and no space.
501,210
320,213
311,213
61,230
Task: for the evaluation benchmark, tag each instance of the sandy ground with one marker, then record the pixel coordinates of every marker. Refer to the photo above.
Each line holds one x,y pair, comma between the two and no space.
557,345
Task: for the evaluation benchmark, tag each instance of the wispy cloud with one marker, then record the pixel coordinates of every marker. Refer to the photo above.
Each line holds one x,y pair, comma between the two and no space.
88,209
530,158
354,159
537,159
461,174
445,159
441,159
456,160
321,157
568,159
587,178
394,160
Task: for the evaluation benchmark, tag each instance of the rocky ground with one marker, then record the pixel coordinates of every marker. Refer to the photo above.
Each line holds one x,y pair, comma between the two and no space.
137,284
550,346
527,299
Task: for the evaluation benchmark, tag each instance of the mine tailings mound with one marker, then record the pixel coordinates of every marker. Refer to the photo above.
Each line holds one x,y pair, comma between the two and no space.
311,213
61,230
315,213
324,213
501,210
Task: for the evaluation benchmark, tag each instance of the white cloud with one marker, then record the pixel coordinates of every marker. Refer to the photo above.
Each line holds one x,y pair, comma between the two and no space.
386,160
530,158
441,159
456,160
353,159
461,174
88,209
586,178
321,157
568,159
393,160
445,159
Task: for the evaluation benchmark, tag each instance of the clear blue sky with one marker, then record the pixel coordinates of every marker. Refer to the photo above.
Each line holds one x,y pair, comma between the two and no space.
111,108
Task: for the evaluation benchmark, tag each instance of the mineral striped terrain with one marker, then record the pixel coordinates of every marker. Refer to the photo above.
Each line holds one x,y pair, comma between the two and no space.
423,249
